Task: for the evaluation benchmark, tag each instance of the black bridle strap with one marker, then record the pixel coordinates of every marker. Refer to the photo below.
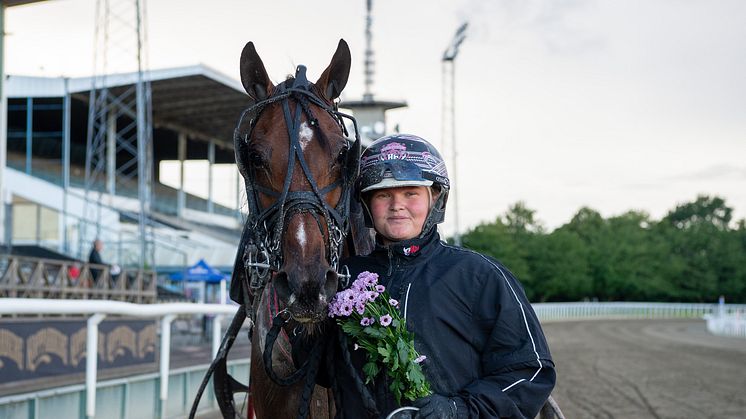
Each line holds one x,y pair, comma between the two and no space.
225,385
269,345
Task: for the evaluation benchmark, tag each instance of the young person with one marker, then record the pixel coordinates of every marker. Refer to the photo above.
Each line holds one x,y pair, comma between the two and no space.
486,353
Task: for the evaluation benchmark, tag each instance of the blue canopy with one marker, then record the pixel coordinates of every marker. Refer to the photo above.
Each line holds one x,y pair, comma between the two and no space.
201,271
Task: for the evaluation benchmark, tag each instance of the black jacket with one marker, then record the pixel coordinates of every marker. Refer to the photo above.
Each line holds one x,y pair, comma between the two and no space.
470,317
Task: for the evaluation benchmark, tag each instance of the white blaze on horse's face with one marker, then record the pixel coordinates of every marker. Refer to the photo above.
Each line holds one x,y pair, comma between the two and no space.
305,134
300,234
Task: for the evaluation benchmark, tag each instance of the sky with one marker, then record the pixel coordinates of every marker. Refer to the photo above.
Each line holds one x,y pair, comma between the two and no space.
614,105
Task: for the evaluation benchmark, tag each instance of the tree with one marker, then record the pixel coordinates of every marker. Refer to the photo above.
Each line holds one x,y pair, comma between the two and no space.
703,244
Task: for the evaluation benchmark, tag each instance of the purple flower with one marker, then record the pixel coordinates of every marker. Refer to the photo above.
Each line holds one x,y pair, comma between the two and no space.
348,295
380,288
420,359
372,295
358,285
346,309
393,303
365,321
370,279
385,320
360,308
372,320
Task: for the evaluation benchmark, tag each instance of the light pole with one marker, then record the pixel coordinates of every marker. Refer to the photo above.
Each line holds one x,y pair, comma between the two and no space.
449,116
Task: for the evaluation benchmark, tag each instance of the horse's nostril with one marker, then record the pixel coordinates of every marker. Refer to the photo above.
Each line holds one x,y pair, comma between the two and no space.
330,285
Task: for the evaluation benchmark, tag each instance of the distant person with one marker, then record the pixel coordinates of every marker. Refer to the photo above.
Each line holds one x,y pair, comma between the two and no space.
95,258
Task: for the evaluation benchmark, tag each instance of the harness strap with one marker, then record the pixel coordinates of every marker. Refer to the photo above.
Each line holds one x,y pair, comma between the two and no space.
293,378
224,384
368,402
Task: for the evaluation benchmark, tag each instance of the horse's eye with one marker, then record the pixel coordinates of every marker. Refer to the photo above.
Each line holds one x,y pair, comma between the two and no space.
256,159
342,156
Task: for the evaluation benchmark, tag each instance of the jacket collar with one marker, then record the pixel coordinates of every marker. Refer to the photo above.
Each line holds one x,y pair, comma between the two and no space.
409,250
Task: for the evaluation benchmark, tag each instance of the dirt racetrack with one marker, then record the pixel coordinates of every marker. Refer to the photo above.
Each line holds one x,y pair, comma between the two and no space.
647,369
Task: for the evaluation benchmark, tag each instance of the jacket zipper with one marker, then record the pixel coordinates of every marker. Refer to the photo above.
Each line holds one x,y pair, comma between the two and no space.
391,261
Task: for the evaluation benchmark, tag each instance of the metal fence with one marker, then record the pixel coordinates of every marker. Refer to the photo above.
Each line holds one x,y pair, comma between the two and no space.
731,323
722,319
130,397
100,310
628,310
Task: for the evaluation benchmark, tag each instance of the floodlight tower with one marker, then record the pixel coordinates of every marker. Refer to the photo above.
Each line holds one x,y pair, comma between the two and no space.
369,112
448,120
119,153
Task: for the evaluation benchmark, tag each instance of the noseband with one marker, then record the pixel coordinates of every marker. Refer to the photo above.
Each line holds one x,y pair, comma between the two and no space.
261,239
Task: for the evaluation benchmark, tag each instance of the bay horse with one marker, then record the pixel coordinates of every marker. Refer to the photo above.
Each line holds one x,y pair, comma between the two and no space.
299,166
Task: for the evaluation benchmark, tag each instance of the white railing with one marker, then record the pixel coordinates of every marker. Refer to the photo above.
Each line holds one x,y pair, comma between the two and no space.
100,309
725,323
629,310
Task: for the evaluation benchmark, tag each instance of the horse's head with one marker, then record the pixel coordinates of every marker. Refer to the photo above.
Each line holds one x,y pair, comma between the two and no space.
298,166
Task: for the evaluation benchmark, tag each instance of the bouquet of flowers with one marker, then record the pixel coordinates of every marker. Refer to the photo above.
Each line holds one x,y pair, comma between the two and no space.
367,313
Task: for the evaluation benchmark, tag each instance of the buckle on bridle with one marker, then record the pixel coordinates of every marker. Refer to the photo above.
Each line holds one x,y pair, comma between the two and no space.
258,265
344,277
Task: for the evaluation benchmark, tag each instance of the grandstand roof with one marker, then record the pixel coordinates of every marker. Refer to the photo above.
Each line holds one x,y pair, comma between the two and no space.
197,99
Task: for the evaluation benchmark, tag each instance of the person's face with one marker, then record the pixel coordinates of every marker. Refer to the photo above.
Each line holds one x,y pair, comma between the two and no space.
99,245
399,213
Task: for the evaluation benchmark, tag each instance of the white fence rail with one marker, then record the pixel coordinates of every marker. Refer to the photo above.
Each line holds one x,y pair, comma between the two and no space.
727,324
722,319
100,309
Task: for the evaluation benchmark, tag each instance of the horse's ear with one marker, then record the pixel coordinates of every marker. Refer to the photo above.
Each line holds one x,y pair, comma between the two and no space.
334,79
253,75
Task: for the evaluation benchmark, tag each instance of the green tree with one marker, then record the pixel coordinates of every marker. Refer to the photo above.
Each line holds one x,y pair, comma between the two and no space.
559,267
703,244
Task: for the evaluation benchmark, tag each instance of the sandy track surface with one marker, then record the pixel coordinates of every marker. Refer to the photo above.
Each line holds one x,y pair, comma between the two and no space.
647,369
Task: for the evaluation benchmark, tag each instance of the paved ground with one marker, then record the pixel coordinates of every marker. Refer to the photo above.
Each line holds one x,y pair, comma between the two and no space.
647,369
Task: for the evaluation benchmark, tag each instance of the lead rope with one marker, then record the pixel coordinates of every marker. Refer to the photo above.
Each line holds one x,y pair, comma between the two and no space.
368,402
219,363
308,370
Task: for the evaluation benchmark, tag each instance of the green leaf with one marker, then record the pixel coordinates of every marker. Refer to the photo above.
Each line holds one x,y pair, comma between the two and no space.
371,370
372,331
384,352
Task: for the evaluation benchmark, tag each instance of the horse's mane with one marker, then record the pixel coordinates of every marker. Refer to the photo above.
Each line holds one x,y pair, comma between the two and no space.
361,235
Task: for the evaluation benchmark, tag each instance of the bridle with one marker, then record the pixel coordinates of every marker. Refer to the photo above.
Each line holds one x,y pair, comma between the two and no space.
259,255
261,248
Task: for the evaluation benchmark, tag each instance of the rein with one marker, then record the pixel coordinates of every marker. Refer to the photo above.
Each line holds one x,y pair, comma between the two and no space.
260,249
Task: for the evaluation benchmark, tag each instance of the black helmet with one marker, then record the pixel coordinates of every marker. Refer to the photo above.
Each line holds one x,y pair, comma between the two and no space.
403,160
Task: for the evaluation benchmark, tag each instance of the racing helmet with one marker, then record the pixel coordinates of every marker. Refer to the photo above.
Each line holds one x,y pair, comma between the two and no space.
403,160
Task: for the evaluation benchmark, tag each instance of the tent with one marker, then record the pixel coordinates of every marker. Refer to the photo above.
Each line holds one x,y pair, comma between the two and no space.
203,274
200,272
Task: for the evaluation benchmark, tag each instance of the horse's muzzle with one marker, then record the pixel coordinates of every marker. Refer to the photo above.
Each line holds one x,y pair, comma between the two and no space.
306,297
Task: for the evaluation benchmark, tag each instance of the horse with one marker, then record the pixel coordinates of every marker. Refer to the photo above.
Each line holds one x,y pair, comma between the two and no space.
292,149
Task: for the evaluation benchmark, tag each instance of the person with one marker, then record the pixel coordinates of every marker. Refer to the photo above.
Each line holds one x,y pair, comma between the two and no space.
95,255
487,356
95,258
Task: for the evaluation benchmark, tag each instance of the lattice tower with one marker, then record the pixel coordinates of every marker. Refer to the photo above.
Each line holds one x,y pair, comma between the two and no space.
119,152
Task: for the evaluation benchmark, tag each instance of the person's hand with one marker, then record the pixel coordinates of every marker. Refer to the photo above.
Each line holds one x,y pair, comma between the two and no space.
435,406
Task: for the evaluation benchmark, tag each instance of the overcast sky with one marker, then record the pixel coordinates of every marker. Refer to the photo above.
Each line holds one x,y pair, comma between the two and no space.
616,105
